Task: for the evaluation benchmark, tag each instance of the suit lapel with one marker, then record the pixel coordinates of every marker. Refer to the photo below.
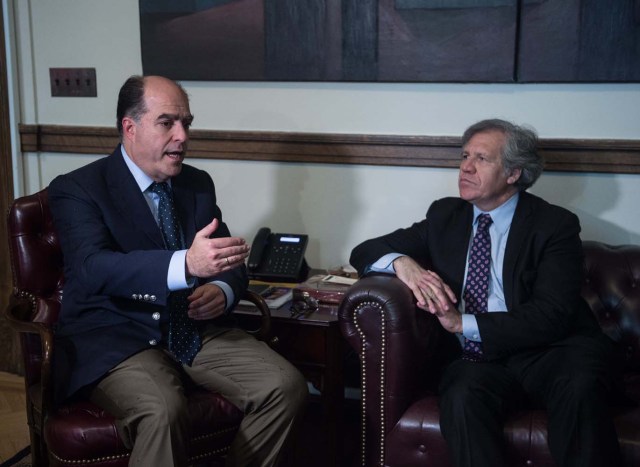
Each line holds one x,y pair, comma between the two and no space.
520,227
128,199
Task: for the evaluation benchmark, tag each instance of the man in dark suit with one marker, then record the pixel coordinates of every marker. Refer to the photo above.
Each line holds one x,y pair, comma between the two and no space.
501,269
151,275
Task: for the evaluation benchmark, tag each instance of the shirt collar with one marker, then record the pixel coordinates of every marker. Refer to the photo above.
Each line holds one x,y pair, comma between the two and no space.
502,215
142,179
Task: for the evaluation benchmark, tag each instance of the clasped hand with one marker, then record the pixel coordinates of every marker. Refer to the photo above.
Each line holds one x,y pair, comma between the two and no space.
209,257
206,302
431,293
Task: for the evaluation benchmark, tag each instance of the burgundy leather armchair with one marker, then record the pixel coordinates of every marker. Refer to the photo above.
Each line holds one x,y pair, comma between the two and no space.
81,433
397,345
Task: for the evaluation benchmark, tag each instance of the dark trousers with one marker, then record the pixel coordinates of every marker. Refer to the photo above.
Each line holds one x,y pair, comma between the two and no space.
572,379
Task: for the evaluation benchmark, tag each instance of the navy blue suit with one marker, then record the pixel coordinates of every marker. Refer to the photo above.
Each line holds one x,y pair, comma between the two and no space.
115,265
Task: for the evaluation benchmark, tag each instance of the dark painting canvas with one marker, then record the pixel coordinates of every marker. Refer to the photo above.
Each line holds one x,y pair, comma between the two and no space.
579,41
330,40
392,40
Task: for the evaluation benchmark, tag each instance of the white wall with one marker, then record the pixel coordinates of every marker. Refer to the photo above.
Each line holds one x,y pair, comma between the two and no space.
339,206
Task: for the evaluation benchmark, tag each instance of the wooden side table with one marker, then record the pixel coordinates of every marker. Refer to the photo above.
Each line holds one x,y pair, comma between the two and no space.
314,344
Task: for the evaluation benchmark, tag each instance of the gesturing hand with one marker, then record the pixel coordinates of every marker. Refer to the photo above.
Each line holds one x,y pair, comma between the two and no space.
431,293
211,256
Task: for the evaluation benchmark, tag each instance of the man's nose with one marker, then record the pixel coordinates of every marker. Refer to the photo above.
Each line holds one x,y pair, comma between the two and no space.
466,165
181,133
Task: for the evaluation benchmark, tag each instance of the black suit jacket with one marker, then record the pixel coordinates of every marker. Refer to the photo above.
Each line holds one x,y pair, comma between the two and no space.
115,265
542,271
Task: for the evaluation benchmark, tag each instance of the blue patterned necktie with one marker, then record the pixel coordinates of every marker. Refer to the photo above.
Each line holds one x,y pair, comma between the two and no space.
184,339
476,290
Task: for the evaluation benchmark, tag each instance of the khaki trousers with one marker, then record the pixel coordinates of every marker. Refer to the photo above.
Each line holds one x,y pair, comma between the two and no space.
146,394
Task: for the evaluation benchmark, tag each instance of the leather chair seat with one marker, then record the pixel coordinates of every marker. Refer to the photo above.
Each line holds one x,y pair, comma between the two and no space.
81,431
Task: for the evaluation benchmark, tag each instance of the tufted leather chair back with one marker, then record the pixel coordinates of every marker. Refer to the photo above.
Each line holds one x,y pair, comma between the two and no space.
36,255
36,262
612,290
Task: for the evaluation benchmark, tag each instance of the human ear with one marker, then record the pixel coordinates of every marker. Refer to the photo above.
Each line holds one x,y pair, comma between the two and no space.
128,127
514,176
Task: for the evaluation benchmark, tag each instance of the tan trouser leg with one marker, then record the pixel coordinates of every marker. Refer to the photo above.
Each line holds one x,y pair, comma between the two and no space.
145,394
259,381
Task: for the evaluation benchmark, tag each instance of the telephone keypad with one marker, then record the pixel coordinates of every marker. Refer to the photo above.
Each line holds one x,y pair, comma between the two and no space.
285,259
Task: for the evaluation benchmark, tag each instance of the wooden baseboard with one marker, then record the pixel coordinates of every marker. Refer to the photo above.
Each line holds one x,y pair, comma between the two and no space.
566,155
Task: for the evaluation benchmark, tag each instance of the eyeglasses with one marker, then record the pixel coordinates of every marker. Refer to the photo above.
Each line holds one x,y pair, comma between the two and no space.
303,305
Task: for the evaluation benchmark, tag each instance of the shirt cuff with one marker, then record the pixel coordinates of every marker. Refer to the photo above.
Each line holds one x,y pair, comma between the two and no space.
228,293
177,277
385,264
470,328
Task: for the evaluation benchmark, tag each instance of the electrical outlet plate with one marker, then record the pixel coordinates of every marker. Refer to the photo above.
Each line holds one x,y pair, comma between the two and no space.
73,82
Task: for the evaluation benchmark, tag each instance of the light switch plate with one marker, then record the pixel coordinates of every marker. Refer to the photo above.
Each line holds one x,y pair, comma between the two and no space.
73,82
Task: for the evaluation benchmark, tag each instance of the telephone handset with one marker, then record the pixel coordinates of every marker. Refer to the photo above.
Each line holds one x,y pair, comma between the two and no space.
278,257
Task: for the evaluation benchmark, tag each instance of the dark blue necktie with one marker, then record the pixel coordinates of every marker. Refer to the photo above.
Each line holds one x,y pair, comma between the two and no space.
184,339
476,290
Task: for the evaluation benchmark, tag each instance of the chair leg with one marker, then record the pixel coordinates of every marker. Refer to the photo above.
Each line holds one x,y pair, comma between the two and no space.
39,456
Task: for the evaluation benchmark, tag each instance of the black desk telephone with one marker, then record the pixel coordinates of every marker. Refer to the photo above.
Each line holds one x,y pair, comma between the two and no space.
277,257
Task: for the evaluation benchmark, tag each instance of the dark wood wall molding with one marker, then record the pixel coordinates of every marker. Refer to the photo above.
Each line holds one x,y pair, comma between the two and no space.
567,155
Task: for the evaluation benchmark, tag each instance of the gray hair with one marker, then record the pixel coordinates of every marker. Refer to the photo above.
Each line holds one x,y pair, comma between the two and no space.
519,151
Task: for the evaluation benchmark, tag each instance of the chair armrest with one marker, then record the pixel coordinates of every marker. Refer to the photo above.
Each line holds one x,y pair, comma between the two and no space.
263,333
394,341
19,313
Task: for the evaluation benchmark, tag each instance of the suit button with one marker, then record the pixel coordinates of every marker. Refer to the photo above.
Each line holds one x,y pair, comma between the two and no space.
146,297
153,342
156,315
152,298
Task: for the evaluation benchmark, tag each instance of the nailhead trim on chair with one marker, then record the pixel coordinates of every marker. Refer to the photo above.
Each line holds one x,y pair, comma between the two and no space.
30,297
363,381
89,461
217,433
121,456
210,453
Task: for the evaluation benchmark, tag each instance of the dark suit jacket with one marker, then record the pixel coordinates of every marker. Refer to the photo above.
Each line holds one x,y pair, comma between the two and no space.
542,271
115,265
